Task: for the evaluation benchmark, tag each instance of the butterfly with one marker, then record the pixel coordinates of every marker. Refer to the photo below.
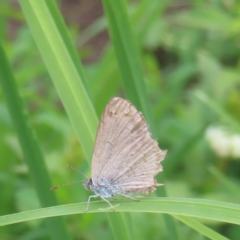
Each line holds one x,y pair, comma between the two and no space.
125,158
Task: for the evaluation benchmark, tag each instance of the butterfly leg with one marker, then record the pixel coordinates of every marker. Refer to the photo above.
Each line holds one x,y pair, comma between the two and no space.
107,202
92,196
135,199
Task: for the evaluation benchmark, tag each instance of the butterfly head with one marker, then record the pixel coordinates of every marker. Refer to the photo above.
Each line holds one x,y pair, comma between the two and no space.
88,184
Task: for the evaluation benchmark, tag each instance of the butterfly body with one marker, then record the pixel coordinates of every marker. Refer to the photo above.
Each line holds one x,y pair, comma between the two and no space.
101,188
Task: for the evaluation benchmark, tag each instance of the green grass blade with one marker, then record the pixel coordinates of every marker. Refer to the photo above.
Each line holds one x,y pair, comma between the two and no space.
216,108
230,185
200,208
127,54
128,57
62,68
93,30
63,32
120,220
199,227
188,143
147,13
52,42
31,151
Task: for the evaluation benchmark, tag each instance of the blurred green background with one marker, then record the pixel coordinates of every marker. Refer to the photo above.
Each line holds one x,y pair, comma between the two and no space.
190,54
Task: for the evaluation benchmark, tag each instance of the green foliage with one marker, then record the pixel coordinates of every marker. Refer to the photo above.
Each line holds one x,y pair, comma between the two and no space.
179,64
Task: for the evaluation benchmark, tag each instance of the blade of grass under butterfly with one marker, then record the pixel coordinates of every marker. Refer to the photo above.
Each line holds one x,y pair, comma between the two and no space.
199,227
122,222
199,208
128,58
48,31
29,146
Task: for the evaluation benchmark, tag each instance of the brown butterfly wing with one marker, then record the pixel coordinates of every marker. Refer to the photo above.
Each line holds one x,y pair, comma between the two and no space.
125,154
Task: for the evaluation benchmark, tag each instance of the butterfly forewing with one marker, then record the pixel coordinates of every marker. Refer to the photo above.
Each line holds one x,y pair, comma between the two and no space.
125,155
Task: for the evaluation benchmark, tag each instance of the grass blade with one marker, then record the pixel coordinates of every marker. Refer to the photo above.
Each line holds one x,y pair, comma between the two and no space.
200,228
129,63
127,54
51,38
230,185
64,73
187,145
200,208
216,108
31,151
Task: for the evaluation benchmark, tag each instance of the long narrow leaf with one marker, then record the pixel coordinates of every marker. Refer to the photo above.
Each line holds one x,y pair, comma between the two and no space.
216,108
200,228
127,54
31,151
52,42
208,209
62,68
225,181
128,57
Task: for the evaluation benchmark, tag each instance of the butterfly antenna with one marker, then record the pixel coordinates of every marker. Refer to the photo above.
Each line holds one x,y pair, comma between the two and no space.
76,170
56,187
